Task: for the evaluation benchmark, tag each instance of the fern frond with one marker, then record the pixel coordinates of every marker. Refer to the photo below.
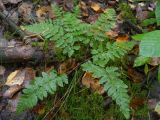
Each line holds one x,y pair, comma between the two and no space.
57,11
40,88
115,87
68,32
112,51
105,23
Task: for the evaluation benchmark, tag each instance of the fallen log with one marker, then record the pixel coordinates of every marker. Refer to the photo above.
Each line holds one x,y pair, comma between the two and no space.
13,52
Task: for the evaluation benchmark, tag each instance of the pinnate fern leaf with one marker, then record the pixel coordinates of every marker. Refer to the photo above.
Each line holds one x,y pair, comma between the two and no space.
40,88
115,87
67,31
111,51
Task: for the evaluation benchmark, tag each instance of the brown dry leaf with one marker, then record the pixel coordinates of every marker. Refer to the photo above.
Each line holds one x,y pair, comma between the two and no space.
87,79
2,70
45,12
84,8
136,102
11,91
68,5
29,75
39,109
122,38
96,6
48,69
65,115
135,76
67,66
25,10
155,61
112,34
91,82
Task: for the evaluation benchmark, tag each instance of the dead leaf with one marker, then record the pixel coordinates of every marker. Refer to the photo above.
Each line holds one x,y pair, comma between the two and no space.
135,76
15,78
25,10
39,109
67,66
11,91
137,102
20,77
2,70
157,108
84,9
122,38
29,75
155,61
112,34
68,5
87,79
96,6
93,83
45,12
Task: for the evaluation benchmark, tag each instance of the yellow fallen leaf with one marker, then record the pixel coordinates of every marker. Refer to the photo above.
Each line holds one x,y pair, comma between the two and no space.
122,38
10,78
157,108
20,77
95,6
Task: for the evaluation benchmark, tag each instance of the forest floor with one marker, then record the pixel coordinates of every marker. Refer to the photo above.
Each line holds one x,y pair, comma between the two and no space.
24,55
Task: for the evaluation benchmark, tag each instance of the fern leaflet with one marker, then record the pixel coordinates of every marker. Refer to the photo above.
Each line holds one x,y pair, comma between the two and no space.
112,51
40,88
110,79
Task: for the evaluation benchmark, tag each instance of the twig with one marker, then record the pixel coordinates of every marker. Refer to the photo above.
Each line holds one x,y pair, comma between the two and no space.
14,27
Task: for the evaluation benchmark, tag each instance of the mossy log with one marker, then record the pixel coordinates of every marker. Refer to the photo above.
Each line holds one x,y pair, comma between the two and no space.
17,52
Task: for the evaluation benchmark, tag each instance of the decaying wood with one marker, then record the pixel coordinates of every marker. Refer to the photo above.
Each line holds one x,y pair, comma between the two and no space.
11,52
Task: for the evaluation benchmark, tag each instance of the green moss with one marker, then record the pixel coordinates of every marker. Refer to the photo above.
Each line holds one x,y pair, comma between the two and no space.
84,106
126,12
113,111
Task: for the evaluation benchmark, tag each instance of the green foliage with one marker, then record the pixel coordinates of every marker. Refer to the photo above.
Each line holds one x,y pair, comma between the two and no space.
126,12
84,105
110,79
71,34
113,111
157,12
40,88
110,52
141,61
142,111
149,45
149,21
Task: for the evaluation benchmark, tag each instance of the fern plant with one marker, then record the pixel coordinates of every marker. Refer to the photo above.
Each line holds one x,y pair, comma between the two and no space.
109,76
40,88
69,33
